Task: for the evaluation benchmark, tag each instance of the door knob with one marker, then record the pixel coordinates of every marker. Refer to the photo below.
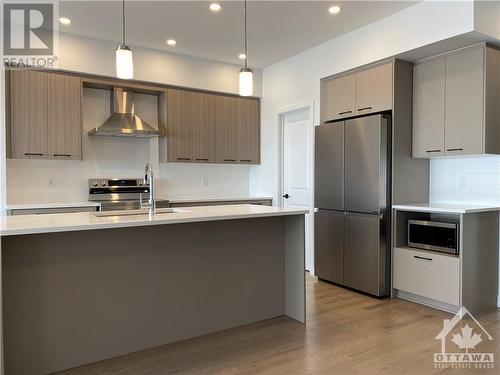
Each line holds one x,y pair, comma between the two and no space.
286,196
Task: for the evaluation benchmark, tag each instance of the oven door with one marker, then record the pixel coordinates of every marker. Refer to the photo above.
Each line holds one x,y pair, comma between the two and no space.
434,236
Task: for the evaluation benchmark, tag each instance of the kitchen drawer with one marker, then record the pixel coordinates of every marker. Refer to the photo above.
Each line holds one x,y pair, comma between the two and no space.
427,274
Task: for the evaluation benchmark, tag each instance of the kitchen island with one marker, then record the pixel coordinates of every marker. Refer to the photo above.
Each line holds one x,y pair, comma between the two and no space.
78,288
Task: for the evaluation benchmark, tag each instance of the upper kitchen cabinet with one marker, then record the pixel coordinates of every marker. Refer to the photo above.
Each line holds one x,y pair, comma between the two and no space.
44,115
226,129
464,105
428,108
456,107
248,131
339,97
27,117
64,116
374,89
210,128
364,91
203,125
190,126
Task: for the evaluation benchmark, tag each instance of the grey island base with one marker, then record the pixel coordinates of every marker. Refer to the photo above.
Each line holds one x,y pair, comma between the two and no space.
80,296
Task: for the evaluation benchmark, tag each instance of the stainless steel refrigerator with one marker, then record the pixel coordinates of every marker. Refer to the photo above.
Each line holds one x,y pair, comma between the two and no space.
352,198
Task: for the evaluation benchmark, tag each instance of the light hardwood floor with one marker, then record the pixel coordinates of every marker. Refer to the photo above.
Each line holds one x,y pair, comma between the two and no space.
346,333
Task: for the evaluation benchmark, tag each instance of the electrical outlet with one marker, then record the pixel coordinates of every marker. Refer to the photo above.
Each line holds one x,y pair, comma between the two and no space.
204,181
461,183
52,182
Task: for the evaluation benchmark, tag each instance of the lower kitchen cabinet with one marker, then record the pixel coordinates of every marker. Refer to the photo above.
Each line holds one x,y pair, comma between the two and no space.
427,274
448,281
43,115
259,202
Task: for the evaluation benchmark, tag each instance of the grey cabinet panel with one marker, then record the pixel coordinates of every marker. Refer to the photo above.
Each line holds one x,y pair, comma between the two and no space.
464,102
339,97
329,166
428,108
28,114
64,117
248,131
365,158
362,256
328,245
374,89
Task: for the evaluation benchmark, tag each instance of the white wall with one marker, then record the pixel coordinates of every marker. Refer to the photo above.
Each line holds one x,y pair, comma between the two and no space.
487,17
297,79
27,180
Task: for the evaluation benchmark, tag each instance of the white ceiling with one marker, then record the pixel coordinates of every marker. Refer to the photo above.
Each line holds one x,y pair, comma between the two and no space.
277,29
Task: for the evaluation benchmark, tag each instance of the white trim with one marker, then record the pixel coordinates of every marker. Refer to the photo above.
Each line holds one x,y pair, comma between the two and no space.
426,301
279,117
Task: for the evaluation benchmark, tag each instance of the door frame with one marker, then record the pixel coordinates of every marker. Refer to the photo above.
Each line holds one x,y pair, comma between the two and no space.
282,111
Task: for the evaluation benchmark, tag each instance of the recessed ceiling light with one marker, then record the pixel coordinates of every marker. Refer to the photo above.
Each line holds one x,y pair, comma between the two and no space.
171,42
64,20
215,7
242,56
334,9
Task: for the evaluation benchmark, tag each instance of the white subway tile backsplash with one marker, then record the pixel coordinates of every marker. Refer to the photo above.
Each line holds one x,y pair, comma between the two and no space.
482,176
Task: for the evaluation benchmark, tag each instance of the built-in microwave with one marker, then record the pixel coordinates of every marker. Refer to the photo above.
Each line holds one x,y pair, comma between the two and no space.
434,235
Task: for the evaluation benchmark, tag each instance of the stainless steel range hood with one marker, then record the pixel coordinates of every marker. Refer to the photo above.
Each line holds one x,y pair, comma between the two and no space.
123,121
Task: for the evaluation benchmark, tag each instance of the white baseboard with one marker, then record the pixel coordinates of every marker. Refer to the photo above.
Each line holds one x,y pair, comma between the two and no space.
426,301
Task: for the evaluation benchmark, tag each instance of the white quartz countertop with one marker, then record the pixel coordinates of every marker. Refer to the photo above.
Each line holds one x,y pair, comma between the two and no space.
444,208
35,206
32,224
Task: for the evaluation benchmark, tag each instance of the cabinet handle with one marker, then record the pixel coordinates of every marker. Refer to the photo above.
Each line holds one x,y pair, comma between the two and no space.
229,159
201,159
454,149
433,151
62,155
345,112
183,158
245,160
33,154
364,108
422,258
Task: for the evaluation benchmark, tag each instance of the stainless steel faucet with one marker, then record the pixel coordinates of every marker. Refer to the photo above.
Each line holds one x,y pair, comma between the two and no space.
149,181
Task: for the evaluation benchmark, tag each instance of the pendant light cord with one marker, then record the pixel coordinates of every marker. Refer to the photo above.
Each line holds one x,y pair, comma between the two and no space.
246,52
123,21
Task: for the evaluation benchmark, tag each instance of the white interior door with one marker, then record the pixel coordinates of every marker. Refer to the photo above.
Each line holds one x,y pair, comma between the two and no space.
297,185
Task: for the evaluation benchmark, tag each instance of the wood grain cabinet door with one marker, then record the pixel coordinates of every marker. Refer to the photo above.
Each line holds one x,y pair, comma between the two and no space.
28,114
340,97
249,131
464,106
64,117
179,126
428,109
374,89
226,129
201,107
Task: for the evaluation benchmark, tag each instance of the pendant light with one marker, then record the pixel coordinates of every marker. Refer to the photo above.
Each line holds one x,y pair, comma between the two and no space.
246,74
124,62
